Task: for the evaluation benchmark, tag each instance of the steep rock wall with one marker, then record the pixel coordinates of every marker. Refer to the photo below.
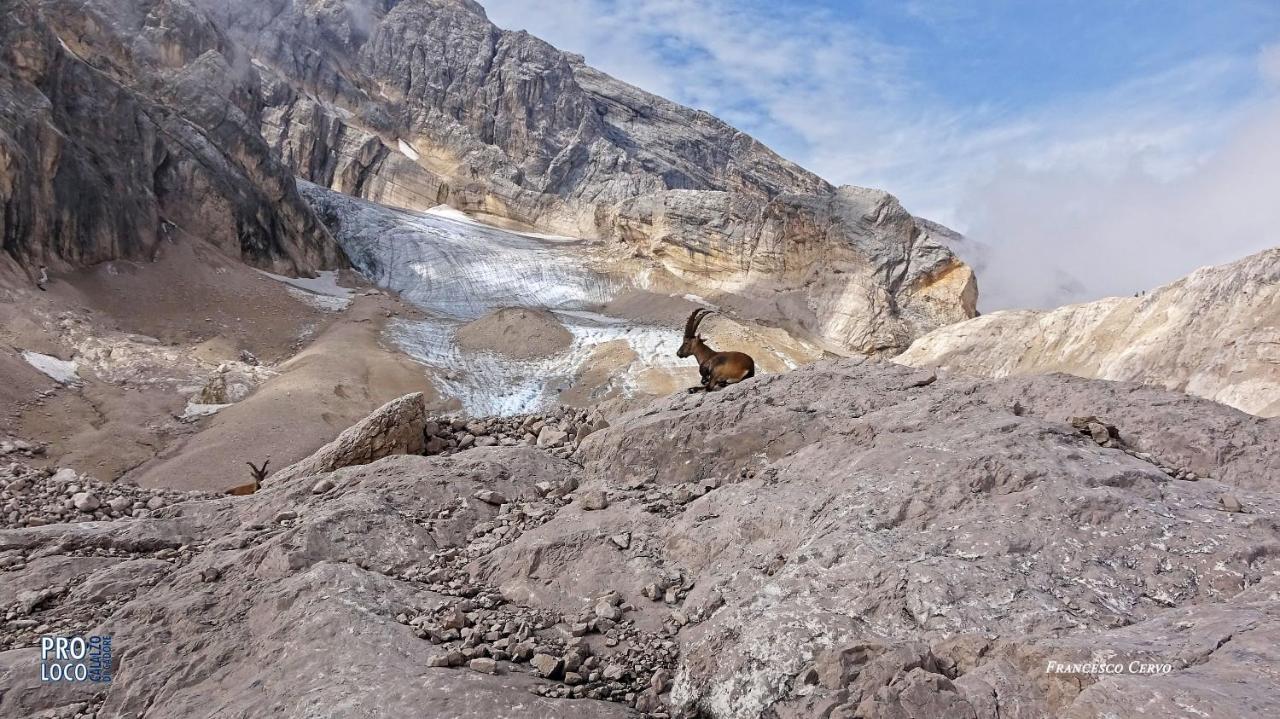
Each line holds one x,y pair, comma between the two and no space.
120,122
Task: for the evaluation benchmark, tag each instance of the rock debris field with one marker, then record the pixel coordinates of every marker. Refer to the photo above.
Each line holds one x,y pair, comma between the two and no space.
851,539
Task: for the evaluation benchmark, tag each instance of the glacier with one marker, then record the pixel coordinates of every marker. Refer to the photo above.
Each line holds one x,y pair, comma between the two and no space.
457,270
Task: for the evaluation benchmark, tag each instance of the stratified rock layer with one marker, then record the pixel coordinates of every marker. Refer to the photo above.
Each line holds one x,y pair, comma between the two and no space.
127,122
850,539
1214,334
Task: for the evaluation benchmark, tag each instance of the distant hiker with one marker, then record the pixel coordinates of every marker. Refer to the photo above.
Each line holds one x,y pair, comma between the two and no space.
44,278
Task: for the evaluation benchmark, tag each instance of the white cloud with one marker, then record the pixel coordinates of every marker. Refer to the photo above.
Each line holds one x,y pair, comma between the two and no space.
1058,235
1088,195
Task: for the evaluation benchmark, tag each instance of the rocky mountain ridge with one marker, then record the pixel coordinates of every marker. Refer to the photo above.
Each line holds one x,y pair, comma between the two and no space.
131,121
420,103
1213,334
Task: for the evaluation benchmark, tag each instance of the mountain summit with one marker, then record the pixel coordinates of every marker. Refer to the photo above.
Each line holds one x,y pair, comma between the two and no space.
132,119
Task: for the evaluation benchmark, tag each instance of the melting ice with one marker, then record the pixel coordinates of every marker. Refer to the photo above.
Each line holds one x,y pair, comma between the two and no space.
459,270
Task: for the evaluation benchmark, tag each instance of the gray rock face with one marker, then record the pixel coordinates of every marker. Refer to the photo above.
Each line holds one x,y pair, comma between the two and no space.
523,119
420,103
872,277
129,123
852,541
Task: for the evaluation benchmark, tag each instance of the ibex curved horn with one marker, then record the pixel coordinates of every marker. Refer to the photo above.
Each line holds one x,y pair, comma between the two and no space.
695,319
259,474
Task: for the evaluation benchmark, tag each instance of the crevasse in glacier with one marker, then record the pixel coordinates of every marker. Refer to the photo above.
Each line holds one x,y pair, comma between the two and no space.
458,270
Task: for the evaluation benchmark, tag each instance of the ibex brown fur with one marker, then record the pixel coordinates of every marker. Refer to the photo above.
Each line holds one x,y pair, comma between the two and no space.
718,369
259,474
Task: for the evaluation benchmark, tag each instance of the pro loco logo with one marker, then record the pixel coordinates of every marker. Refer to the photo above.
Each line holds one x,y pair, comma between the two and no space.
75,659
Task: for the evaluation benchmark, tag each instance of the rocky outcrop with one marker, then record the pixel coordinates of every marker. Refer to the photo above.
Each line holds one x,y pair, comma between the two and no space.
850,266
493,120
426,102
394,428
126,124
31,497
850,539
1214,334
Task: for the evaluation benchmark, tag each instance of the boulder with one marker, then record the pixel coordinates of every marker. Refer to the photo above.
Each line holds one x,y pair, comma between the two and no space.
551,437
86,501
394,428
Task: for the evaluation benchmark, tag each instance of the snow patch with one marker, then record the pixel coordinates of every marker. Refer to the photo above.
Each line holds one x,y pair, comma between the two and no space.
321,302
60,371
407,150
451,213
195,410
322,291
491,384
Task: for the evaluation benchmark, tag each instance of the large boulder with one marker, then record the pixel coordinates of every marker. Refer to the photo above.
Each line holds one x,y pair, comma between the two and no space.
394,428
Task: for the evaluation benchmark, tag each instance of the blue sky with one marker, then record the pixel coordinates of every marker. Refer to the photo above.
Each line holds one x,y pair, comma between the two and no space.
1092,147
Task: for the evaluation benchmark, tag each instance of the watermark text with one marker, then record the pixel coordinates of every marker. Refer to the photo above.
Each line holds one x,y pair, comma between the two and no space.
75,659
1134,667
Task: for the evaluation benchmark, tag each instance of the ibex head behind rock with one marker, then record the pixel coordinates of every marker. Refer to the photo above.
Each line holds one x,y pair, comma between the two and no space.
259,474
718,369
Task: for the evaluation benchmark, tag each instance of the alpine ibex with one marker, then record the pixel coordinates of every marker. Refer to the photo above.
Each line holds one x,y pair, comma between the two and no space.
718,369
259,474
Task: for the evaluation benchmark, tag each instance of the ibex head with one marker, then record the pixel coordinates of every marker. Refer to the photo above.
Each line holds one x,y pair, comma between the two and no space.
259,473
691,338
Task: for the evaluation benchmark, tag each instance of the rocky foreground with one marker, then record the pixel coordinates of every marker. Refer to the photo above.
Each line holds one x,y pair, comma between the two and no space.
850,539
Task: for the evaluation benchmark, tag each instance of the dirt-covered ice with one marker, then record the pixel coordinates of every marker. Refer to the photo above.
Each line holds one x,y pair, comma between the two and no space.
460,271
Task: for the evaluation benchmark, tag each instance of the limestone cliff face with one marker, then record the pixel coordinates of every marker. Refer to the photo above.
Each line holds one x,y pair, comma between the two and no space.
470,104
1214,333
424,102
851,265
125,122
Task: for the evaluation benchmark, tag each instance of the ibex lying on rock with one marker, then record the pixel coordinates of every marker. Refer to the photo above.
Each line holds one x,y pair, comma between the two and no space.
259,474
718,369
